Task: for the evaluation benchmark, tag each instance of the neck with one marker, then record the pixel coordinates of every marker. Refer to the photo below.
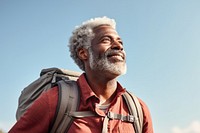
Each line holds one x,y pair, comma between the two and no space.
103,86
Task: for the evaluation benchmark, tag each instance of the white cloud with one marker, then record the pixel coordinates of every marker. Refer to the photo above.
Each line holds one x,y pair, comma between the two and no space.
194,127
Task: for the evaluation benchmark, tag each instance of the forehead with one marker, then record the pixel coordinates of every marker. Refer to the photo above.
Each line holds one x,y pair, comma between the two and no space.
104,30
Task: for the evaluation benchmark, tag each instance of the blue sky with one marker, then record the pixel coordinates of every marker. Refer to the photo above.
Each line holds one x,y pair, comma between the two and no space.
161,40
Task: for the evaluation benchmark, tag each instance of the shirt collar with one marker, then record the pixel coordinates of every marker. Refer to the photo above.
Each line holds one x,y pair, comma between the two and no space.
86,91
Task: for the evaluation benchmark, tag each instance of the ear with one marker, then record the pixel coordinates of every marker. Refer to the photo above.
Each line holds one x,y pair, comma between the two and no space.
83,54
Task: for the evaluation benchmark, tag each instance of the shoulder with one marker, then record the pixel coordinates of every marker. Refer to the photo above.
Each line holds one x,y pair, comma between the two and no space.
48,97
46,104
51,94
47,101
143,104
145,108
147,121
43,109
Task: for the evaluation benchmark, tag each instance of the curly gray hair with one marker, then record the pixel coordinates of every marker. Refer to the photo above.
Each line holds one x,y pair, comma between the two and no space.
83,35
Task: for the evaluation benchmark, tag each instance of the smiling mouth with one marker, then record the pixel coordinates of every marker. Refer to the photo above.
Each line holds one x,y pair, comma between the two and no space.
116,57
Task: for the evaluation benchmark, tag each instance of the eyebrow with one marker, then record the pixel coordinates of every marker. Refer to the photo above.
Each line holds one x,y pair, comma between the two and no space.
110,36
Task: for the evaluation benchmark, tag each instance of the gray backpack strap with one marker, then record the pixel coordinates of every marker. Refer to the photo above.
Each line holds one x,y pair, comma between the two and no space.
81,114
69,99
135,109
114,116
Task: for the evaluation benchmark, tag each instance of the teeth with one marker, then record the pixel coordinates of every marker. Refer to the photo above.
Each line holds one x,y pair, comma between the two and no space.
117,57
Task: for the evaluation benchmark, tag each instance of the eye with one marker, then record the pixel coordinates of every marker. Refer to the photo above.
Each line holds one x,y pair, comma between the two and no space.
106,40
121,42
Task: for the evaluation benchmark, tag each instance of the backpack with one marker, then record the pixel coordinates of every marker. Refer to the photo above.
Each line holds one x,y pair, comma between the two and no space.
69,99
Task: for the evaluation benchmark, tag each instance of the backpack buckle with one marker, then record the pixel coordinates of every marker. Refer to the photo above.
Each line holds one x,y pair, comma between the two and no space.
130,118
111,115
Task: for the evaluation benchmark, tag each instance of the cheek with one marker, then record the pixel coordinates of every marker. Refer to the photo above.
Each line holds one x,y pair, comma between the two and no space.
100,49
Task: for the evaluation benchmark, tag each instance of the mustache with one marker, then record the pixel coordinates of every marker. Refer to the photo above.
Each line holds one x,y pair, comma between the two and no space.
112,52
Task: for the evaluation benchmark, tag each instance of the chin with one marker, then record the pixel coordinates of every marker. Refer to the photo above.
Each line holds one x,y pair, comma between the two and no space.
118,70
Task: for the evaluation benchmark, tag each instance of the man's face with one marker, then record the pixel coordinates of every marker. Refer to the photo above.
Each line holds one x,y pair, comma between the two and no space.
106,51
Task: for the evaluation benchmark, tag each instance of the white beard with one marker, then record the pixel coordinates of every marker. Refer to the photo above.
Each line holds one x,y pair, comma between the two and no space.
101,63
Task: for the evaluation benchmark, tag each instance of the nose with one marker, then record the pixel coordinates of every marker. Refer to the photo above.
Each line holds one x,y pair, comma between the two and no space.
117,45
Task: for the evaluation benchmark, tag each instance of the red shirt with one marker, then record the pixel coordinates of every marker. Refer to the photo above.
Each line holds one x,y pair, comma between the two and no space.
39,116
